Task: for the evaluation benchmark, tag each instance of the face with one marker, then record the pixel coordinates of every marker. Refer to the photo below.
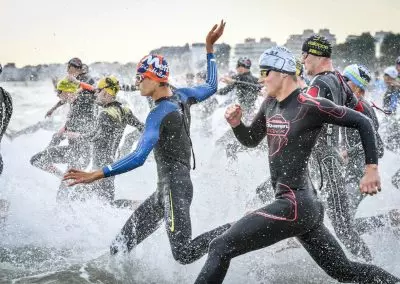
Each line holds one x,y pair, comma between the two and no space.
73,70
388,80
146,86
355,89
241,70
67,97
101,97
272,81
310,62
398,67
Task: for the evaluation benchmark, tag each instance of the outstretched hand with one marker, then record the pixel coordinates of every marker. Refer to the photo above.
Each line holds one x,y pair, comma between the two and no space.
78,176
213,35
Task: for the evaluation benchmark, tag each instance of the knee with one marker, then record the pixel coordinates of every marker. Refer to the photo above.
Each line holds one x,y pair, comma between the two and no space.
34,160
182,256
219,247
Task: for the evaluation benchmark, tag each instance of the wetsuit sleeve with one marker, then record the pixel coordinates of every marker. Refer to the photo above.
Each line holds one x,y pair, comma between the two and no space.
202,92
104,126
132,120
251,136
319,88
328,112
227,89
145,145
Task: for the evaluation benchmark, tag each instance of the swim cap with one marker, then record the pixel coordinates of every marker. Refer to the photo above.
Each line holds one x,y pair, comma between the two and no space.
75,62
299,68
317,45
279,59
244,62
391,72
67,86
110,84
358,74
154,67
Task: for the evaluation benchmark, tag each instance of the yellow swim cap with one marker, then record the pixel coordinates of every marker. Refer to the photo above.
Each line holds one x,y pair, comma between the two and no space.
67,86
110,84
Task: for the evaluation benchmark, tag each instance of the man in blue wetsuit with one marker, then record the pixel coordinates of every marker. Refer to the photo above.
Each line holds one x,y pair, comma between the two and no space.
167,132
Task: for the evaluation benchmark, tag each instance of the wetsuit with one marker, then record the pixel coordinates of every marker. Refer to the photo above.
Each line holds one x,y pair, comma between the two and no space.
391,99
106,136
330,85
247,91
6,109
76,154
167,133
292,127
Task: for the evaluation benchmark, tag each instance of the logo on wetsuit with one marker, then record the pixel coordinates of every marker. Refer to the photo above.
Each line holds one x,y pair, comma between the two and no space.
277,125
277,130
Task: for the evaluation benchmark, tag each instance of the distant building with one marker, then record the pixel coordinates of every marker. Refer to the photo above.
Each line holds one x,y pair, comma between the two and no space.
252,49
351,37
295,42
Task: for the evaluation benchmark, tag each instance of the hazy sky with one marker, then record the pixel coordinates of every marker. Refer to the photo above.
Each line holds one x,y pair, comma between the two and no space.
53,31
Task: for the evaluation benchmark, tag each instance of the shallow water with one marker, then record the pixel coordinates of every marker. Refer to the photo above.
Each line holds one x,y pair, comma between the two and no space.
44,242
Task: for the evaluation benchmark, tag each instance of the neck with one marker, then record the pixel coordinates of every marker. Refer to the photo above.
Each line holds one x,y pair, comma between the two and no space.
161,92
325,66
288,87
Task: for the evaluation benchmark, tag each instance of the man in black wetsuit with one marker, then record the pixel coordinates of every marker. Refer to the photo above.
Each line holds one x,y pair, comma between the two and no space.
247,91
292,122
167,131
358,77
107,134
328,83
80,119
6,109
245,84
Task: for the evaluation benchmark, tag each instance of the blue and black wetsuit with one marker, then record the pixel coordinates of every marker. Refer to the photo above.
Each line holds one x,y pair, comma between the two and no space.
292,127
6,109
167,133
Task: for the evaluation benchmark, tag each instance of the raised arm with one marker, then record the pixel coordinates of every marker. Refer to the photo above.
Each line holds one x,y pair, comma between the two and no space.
202,92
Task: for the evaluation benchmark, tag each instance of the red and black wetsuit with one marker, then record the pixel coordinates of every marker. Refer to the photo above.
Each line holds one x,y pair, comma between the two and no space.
292,127
330,85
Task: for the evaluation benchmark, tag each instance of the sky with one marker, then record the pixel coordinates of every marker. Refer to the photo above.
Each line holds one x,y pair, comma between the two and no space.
52,31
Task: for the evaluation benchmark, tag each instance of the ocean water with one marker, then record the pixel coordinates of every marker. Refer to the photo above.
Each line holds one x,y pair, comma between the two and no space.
44,242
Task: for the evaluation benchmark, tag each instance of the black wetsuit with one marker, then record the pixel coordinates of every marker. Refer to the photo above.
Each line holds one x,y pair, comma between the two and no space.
330,85
292,127
106,136
167,132
247,91
80,119
6,109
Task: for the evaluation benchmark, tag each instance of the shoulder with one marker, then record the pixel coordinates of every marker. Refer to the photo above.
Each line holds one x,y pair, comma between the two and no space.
158,113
